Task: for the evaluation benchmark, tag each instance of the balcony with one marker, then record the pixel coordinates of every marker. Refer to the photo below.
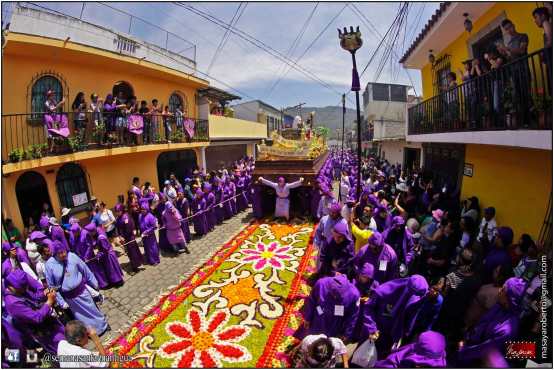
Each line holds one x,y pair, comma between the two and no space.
24,136
227,128
484,110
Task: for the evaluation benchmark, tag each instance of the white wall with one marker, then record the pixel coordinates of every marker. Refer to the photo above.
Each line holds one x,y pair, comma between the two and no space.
394,150
247,111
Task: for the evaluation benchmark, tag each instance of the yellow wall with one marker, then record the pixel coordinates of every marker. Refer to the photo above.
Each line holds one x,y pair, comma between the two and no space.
107,177
516,181
520,13
225,127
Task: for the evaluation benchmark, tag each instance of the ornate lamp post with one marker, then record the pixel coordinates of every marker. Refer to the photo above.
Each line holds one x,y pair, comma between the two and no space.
351,42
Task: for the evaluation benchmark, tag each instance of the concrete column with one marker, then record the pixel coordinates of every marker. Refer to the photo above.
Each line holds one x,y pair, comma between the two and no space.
203,159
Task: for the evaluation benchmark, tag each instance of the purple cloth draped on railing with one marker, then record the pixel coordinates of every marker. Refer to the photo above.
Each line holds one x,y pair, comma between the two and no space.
189,127
56,124
135,124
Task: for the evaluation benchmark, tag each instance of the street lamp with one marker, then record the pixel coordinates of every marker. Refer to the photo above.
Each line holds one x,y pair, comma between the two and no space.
351,42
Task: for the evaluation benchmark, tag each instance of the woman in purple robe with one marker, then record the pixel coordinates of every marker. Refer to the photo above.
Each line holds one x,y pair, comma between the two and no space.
172,221
499,325
33,319
232,192
56,232
148,224
107,258
159,208
380,255
427,352
126,229
331,309
219,207
198,206
385,310
336,255
109,113
182,205
210,206
90,257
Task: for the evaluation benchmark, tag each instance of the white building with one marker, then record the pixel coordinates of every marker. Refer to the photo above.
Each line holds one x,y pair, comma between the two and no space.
385,106
259,111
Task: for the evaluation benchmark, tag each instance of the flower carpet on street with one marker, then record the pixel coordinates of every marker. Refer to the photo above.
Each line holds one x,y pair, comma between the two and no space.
239,309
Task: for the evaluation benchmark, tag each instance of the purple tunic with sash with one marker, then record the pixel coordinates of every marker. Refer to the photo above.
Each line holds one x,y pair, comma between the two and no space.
172,221
385,263
211,220
148,224
219,209
198,206
108,259
125,227
89,257
57,233
183,207
427,352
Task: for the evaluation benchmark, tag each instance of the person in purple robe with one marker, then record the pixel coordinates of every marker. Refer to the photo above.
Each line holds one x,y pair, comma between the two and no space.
499,325
210,206
44,224
382,218
219,207
70,276
323,232
429,351
109,113
172,221
198,206
331,309
89,256
56,232
126,229
380,255
316,195
336,255
242,201
34,319
498,255
107,258
182,204
257,201
364,282
385,310
148,224
135,188
232,193
400,239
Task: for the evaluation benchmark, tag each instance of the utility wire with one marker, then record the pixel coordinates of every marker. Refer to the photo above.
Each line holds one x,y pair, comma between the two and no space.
226,35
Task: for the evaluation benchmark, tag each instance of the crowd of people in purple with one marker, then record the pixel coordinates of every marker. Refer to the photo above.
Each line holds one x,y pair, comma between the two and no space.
54,274
410,277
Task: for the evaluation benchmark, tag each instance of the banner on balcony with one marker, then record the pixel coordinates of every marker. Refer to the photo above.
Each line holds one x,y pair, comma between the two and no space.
189,127
136,124
56,124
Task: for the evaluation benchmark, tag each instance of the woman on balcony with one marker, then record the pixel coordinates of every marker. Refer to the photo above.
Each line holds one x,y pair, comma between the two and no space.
79,108
56,124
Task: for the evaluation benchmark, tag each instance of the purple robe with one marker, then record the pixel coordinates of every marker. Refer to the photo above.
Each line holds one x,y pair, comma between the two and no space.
125,227
257,206
219,209
172,221
231,193
148,224
402,243
331,309
163,242
336,257
427,352
57,233
387,307
210,210
91,260
242,201
385,263
314,202
183,207
198,206
108,259
34,320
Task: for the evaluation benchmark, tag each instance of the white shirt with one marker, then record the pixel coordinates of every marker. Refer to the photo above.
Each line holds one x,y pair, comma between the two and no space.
32,251
65,349
41,268
491,229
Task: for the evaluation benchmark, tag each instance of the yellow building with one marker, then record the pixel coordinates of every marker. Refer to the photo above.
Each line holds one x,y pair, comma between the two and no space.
490,135
48,51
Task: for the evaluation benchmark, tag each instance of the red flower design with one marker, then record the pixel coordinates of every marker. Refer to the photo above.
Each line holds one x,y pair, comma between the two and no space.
205,342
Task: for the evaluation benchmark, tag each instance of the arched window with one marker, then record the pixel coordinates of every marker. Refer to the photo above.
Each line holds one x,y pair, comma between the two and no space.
180,162
176,100
38,93
70,182
124,87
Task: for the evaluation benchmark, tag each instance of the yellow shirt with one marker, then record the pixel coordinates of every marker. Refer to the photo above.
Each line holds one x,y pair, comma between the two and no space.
361,236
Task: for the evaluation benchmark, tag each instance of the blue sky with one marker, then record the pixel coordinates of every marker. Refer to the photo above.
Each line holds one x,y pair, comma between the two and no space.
253,71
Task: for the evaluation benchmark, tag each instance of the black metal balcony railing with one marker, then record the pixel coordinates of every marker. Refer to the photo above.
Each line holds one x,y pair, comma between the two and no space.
25,137
518,95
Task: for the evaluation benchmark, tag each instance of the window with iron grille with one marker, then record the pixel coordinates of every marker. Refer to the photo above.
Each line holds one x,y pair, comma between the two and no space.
70,181
38,94
175,100
381,92
441,69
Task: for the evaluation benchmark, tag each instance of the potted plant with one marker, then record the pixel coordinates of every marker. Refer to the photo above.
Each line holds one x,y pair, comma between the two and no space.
177,136
16,155
74,143
541,103
509,107
98,133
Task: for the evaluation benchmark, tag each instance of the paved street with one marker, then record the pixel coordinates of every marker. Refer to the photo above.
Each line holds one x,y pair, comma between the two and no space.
141,290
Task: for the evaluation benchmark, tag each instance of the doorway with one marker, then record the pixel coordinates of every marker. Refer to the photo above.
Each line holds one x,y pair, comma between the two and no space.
31,192
180,162
412,159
